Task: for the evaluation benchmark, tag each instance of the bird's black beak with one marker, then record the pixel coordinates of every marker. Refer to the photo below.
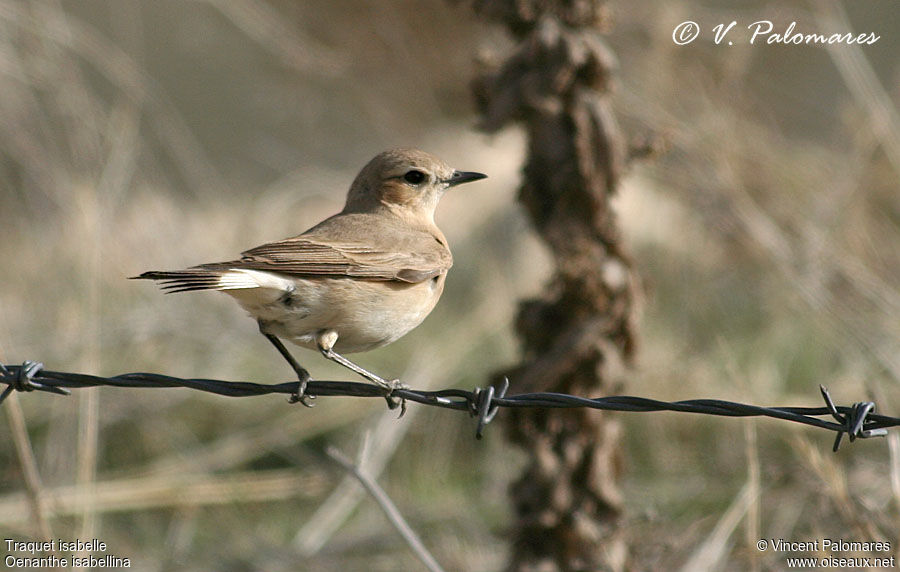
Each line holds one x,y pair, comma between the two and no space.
460,177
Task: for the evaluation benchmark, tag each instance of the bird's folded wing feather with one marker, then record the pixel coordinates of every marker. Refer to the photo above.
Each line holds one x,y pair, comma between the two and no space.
390,252
301,256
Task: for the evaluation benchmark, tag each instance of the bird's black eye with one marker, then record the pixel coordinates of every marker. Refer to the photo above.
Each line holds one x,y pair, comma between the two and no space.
414,177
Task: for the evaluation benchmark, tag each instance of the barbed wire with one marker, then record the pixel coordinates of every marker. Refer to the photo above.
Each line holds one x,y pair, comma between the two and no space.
858,421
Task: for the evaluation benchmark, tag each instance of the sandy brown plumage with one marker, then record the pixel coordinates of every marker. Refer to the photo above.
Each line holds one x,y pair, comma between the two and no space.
357,280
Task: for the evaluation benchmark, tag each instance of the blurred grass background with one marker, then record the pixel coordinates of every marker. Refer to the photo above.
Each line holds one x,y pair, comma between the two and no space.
146,135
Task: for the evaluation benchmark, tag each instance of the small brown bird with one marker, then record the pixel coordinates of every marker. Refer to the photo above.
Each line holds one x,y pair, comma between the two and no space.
356,281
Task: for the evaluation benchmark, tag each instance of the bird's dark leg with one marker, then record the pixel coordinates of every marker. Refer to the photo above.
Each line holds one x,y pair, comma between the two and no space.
302,375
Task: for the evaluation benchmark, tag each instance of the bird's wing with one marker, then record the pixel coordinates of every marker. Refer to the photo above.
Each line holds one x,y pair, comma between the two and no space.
306,256
386,251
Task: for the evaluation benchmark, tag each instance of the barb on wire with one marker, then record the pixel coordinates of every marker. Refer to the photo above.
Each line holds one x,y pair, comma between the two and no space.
23,379
858,421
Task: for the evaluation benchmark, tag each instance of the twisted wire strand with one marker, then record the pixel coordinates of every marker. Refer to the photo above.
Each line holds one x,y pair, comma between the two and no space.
857,421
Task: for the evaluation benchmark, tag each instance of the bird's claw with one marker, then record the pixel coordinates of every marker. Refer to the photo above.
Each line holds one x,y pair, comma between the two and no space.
392,401
300,396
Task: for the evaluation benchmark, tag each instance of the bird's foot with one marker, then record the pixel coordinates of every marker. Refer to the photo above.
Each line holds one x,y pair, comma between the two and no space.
300,396
389,387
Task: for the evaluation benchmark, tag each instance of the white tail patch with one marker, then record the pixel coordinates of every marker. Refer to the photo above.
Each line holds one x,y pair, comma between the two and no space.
254,289
238,279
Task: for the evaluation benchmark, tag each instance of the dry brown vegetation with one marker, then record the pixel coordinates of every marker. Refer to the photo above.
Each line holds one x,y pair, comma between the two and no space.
138,135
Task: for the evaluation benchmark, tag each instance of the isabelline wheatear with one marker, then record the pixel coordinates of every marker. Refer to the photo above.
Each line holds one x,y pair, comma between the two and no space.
358,280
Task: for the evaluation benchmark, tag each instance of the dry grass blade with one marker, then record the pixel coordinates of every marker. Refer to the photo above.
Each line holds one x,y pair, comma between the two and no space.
238,447
166,491
709,555
260,22
88,436
113,63
33,503
862,81
751,451
894,451
834,478
334,511
389,508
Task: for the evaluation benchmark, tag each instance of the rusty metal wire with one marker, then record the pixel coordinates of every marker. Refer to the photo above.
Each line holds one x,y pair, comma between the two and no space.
858,421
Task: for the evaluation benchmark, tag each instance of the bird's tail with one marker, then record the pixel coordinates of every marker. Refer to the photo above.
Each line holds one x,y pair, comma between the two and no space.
184,280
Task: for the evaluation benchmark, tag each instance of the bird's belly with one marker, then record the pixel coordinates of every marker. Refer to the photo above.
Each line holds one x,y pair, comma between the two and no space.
365,314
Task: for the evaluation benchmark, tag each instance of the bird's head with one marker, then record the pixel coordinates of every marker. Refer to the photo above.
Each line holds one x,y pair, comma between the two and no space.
408,182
